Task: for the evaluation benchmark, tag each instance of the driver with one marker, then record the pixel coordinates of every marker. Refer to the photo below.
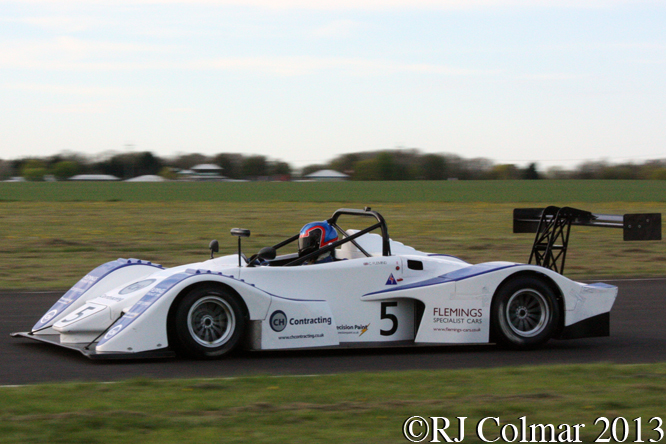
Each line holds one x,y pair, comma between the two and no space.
314,236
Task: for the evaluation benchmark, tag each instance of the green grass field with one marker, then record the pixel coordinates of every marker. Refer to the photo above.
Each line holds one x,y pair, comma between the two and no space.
348,408
499,191
65,240
66,229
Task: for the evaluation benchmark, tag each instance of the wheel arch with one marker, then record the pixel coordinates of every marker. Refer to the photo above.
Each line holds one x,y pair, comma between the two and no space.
544,278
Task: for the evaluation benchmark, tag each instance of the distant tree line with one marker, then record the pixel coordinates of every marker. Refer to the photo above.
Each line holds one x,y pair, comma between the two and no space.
396,164
128,165
412,164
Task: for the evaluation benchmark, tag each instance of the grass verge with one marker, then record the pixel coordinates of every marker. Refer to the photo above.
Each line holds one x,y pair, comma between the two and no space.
51,245
351,408
496,191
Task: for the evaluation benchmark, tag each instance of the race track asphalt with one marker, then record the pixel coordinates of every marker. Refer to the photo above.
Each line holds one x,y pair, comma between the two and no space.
638,335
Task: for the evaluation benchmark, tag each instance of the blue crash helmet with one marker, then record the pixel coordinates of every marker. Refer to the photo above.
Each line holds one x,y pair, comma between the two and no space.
314,236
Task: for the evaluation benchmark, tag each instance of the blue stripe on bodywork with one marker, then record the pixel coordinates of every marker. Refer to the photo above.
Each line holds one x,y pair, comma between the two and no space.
85,284
157,292
601,285
145,302
457,275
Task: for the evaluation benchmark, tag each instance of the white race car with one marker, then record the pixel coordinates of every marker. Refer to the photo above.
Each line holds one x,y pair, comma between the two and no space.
368,291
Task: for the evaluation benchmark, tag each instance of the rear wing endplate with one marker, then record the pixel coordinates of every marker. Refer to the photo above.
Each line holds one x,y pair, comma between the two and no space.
552,226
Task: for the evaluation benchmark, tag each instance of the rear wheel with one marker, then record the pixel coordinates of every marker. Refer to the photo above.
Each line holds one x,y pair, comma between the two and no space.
525,313
208,323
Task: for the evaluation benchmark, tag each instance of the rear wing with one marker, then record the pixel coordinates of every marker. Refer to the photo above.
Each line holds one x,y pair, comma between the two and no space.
553,224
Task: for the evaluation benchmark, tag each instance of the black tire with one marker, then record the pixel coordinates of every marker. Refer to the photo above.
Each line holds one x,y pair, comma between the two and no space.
208,323
525,313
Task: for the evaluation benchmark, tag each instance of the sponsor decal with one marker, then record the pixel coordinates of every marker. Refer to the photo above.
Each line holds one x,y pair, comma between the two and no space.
113,331
111,298
136,286
48,316
308,336
278,321
391,280
356,329
307,321
448,315
458,330
376,263
89,279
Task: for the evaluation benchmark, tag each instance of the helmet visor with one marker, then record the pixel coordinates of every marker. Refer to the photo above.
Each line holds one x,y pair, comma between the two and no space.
309,242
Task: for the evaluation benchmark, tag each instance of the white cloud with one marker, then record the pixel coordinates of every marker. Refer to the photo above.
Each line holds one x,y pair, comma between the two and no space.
67,53
71,90
59,23
81,48
77,55
355,4
552,77
294,66
338,28
96,107
184,110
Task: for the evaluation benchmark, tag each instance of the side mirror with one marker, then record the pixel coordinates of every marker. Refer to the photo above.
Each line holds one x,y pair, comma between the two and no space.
214,247
267,253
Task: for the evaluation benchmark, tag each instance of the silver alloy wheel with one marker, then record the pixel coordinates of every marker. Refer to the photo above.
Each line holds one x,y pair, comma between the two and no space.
527,313
211,321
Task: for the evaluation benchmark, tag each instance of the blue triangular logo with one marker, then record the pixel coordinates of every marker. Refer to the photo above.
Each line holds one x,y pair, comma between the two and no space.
391,280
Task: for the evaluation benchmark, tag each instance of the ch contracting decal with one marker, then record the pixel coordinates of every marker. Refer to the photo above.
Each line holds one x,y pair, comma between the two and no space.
279,320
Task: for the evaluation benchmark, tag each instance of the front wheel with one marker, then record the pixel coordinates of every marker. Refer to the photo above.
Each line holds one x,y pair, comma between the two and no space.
525,313
208,323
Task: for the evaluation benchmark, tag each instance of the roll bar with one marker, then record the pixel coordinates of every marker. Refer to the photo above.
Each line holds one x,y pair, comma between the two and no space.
366,212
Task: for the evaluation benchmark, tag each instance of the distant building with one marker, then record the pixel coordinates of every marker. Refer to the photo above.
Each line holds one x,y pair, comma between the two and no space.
204,171
327,175
94,177
147,178
207,168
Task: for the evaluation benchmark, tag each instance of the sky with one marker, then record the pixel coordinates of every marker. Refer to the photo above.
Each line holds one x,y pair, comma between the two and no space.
303,81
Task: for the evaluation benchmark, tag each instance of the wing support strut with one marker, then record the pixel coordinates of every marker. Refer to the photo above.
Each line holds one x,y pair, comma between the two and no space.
552,226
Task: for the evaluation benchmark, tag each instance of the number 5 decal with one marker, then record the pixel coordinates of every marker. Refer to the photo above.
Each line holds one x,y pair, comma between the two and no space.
390,316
